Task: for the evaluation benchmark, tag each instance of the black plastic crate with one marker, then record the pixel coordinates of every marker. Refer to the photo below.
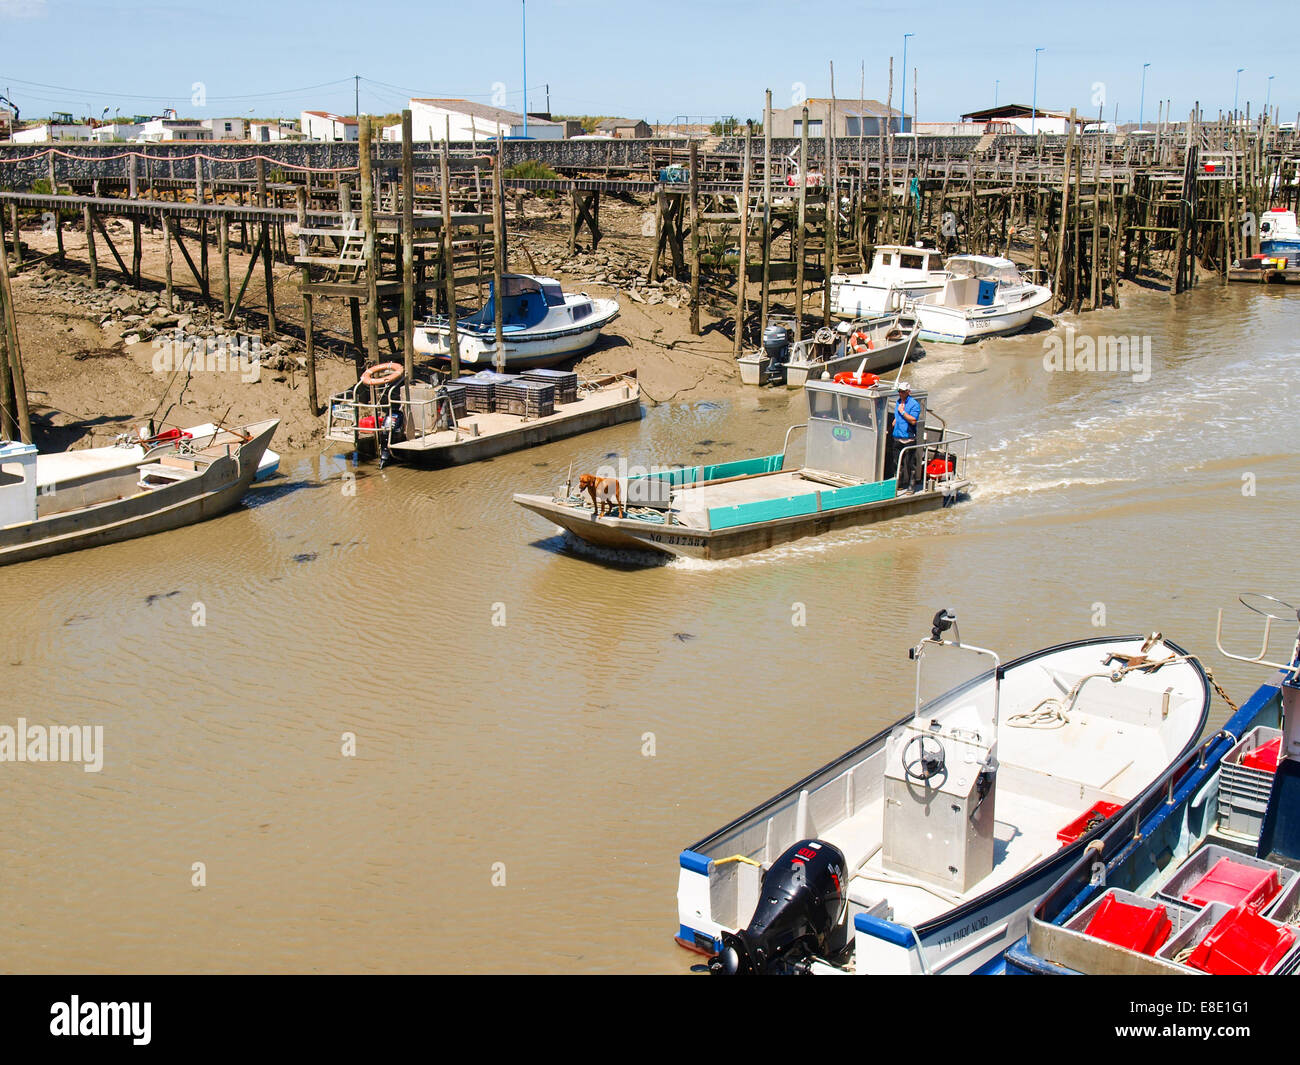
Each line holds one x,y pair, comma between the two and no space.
565,382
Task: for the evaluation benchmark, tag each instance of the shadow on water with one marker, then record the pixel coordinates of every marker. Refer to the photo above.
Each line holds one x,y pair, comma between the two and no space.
259,495
622,559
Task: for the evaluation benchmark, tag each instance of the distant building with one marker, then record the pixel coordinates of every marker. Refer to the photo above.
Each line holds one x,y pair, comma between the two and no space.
48,132
624,128
160,130
265,132
324,126
431,119
1020,118
853,118
227,129
116,131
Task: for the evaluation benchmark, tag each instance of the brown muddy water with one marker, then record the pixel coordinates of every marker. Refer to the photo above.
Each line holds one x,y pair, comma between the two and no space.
507,808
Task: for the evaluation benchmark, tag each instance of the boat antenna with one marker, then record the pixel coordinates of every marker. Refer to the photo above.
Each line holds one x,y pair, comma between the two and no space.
899,376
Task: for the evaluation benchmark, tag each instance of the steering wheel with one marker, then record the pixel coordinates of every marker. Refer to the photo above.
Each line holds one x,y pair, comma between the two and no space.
924,765
824,335
1264,610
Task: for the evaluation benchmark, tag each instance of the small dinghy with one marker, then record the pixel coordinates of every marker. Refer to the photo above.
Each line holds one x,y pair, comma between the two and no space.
50,504
542,326
924,849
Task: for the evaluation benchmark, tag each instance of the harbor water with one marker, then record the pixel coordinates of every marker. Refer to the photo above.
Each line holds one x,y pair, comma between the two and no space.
388,721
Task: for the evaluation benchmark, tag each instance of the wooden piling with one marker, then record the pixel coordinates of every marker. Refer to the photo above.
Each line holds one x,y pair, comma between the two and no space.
695,237
743,269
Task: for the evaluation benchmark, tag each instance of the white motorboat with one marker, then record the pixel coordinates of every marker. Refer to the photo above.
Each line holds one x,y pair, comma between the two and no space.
924,849
898,273
983,296
541,325
1279,238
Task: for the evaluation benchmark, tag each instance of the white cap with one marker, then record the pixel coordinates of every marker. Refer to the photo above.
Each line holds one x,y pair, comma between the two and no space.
903,386
843,327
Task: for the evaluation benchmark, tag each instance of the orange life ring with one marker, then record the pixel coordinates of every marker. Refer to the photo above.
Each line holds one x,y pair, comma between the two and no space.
858,380
383,373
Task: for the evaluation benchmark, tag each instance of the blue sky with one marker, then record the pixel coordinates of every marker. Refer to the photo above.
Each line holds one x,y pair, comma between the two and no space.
658,61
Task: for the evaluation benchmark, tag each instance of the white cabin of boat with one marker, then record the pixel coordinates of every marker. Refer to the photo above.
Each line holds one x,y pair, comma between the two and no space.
898,272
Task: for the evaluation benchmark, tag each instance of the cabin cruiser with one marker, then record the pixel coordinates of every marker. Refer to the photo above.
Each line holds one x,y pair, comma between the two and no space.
853,473
924,849
542,326
981,296
898,273
865,345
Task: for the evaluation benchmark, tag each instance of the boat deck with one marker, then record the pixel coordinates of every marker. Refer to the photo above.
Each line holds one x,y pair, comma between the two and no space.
691,504
494,424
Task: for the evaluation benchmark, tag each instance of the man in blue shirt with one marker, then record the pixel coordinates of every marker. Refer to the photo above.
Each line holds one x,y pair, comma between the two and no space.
907,417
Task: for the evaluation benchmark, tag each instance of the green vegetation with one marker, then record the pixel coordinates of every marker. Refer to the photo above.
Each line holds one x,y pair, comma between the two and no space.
531,169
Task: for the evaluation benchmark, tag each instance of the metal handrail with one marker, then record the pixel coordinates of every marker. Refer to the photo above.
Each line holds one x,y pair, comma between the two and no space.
946,436
785,447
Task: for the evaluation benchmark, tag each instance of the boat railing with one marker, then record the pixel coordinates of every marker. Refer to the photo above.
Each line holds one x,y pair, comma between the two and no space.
950,444
430,420
786,446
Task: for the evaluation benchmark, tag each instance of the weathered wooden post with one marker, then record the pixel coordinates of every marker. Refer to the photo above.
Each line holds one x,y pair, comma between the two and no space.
308,327
743,271
369,236
800,232
13,372
408,247
767,210
448,258
88,220
695,237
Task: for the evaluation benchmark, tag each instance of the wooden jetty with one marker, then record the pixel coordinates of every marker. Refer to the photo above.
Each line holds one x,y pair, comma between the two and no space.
741,220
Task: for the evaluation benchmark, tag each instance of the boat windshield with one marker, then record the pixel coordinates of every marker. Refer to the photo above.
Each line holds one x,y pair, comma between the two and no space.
553,293
517,285
1003,271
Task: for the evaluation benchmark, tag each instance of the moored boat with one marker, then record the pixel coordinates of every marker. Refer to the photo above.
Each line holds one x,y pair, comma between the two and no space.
923,849
866,345
853,473
1279,237
541,325
477,416
1199,877
983,296
898,273
50,504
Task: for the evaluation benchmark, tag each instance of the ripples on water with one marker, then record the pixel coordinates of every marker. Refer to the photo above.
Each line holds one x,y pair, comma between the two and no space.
502,682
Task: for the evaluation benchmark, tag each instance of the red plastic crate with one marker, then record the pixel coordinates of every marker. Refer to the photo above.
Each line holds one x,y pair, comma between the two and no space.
1242,944
1137,928
1235,884
1098,813
1264,757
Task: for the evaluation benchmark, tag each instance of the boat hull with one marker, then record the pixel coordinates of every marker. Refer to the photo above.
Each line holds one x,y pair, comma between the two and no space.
616,533
797,374
524,350
957,325
218,489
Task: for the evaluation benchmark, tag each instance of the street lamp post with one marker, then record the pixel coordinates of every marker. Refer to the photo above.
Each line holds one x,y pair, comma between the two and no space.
995,94
524,5
1236,85
1269,94
903,128
1143,98
1033,117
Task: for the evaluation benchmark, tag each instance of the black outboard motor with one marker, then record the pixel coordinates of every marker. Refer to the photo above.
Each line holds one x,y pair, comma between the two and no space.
800,915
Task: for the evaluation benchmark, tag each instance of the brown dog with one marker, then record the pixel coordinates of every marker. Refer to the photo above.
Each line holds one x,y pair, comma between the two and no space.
602,490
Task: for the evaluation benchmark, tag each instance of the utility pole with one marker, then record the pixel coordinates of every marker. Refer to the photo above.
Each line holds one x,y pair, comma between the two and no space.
524,5
356,79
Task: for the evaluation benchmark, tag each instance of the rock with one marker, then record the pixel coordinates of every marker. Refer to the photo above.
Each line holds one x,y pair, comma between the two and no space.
125,304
